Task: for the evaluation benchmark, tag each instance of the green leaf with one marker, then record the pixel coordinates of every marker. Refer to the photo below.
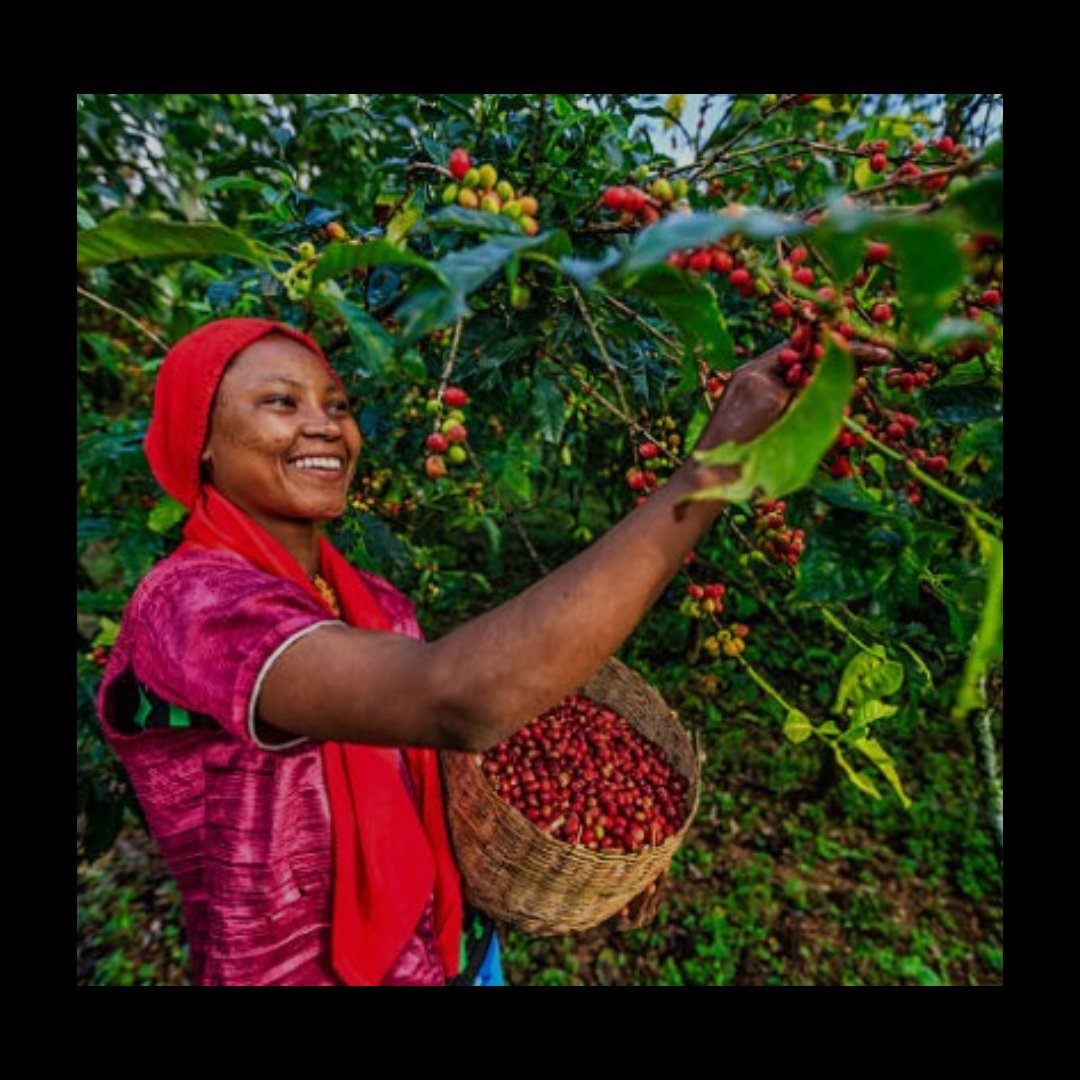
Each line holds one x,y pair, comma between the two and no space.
478,221
981,203
586,271
166,514
841,238
857,669
841,562
373,344
882,681
953,331
513,477
337,260
429,307
690,304
797,726
993,153
122,236
962,404
695,428
877,754
931,268
856,776
784,458
400,224
920,664
548,409
828,728
864,714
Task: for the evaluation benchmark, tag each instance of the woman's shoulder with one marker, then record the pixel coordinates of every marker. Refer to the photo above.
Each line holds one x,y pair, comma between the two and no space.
196,575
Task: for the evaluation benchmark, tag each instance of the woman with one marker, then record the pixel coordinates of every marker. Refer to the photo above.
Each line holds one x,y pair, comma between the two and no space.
278,710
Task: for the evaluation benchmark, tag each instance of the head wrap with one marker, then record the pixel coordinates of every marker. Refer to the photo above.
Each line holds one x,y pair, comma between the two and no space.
388,854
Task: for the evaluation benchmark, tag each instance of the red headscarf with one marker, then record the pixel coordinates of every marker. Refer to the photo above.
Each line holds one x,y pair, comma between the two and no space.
387,857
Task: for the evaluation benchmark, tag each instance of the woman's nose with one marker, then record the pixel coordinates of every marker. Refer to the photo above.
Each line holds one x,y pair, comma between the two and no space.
317,419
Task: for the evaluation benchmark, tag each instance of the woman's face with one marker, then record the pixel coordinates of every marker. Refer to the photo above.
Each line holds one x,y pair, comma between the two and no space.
283,444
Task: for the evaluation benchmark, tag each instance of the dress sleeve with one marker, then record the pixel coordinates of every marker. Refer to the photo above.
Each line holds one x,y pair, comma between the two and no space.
205,632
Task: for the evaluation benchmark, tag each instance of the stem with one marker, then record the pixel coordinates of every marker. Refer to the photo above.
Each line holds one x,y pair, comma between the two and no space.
766,685
164,345
986,754
836,624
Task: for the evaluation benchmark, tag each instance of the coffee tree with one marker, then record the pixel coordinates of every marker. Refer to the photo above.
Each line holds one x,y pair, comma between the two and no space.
535,309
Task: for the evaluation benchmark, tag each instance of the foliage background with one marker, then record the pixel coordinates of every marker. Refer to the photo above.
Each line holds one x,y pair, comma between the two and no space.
792,874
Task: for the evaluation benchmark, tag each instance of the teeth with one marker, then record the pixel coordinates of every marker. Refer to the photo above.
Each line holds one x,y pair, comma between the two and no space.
317,463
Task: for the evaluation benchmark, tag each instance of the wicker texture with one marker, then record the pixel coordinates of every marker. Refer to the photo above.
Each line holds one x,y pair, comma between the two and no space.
533,882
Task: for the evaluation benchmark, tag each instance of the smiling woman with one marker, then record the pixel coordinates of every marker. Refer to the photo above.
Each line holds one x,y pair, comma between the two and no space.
279,712
283,443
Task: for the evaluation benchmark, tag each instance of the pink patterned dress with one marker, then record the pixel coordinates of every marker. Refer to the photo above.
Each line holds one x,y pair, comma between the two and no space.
243,825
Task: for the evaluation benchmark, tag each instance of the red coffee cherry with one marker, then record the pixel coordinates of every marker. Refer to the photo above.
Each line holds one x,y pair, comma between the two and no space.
804,275
877,252
437,442
700,261
722,262
798,255
879,163
615,198
740,276
991,298
781,309
648,450
881,313
455,397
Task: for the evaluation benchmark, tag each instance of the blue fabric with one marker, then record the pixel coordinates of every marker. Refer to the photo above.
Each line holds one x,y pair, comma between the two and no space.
490,973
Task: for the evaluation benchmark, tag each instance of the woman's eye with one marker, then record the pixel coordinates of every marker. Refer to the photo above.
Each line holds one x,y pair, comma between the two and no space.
282,399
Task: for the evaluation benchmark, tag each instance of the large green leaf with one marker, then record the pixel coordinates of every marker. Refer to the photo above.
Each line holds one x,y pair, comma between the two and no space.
339,259
840,562
123,236
548,409
690,304
877,754
784,458
931,268
981,203
373,344
962,404
987,644
479,221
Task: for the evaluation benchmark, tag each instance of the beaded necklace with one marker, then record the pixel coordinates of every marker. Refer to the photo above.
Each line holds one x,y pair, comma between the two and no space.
327,593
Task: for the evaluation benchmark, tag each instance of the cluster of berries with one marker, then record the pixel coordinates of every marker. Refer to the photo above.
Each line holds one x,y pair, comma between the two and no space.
445,443
907,382
773,535
636,206
481,189
704,600
367,499
729,641
98,655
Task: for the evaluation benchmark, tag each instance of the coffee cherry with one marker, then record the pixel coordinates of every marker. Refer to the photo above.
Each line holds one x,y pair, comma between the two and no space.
490,203
530,225
529,205
614,198
700,261
781,309
739,276
335,231
722,261
991,298
457,455
435,467
457,433
881,313
437,442
787,357
661,189
306,250
460,163
715,386
798,256
841,468
455,397
879,163
793,375
634,200
468,199
648,450
877,252
804,275
636,479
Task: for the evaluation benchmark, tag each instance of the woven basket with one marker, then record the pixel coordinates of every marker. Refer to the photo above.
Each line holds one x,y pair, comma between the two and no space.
528,880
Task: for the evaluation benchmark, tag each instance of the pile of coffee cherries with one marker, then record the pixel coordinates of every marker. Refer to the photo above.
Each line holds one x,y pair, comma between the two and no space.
584,776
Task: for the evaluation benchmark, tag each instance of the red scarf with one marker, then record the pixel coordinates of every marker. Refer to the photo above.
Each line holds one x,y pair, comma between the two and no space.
387,857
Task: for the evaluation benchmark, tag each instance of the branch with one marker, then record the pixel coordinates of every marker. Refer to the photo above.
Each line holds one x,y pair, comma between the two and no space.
162,344
986,755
